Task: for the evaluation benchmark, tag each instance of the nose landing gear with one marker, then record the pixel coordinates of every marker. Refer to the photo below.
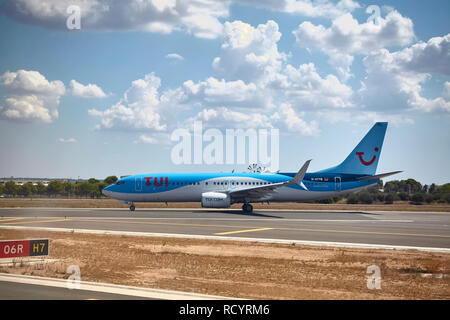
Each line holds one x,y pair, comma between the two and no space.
132,207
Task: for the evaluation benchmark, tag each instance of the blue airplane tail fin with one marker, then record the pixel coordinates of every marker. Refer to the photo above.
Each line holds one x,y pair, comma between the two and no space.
363,160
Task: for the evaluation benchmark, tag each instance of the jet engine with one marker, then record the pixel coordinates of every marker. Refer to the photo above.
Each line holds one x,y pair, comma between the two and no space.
215,200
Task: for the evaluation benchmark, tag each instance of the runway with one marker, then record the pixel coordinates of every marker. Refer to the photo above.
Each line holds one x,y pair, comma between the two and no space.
23,287
24,291
411,229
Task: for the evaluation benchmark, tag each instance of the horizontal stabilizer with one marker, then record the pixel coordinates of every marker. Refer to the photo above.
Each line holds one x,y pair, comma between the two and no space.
378,176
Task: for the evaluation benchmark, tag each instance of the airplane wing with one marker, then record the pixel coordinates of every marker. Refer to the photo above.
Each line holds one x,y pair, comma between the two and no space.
378,176
262,193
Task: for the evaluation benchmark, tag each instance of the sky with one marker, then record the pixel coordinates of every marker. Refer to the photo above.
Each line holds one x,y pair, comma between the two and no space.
98,88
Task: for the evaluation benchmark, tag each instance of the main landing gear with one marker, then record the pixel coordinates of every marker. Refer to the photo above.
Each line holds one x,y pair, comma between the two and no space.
132,207
247,208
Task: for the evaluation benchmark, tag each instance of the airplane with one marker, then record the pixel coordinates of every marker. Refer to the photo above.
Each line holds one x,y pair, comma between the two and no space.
221,190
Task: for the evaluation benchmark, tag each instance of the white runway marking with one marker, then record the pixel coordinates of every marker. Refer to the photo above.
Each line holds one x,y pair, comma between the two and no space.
222,219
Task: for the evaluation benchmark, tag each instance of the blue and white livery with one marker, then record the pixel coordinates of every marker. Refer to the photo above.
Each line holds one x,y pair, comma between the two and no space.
221,190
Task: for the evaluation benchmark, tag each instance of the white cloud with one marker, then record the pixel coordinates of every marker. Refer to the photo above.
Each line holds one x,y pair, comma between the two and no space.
174,56
141,107
342,62
248,53
256,88
201,18
223,117
429,105
392,82
29,109
287,117
68,140
346,37
197,17
306,89
326,9
446,91
146,139
86,91
432,56
264,83
237,94
31,82
30,96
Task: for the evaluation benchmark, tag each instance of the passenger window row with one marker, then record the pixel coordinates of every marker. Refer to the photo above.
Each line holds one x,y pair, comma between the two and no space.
241,183
221,183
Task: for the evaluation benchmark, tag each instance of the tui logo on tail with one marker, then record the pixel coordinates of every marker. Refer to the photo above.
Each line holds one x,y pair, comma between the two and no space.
367,163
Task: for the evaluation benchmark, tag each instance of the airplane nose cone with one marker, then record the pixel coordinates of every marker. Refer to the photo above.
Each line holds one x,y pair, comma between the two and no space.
107,192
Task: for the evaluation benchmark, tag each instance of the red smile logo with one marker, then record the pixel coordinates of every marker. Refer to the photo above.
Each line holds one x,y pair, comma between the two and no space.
366,163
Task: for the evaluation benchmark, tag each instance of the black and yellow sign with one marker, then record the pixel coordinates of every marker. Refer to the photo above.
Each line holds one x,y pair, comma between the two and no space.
39,247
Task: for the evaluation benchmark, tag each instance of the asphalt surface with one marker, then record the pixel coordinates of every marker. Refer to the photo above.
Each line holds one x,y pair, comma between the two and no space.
417,229
25,291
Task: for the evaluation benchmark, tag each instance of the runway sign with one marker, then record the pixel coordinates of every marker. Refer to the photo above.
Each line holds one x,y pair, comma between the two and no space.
24,248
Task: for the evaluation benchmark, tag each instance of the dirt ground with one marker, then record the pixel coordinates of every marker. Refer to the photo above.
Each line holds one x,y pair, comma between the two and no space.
111,203
241,269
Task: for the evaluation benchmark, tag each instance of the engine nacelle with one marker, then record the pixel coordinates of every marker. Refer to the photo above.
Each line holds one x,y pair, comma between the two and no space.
215,200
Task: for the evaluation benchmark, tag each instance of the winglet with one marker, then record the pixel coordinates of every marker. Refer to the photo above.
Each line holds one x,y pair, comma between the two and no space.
300,175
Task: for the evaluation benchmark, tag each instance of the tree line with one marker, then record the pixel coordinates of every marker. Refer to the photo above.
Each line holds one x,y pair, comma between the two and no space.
402,190
90,189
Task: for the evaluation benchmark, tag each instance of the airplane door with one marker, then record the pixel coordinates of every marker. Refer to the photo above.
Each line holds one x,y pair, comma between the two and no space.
138,183
337,183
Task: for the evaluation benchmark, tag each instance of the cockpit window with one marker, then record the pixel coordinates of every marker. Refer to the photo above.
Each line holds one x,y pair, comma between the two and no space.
120,182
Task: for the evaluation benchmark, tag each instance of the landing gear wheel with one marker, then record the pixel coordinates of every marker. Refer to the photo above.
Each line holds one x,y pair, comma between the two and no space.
247,208
132,207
